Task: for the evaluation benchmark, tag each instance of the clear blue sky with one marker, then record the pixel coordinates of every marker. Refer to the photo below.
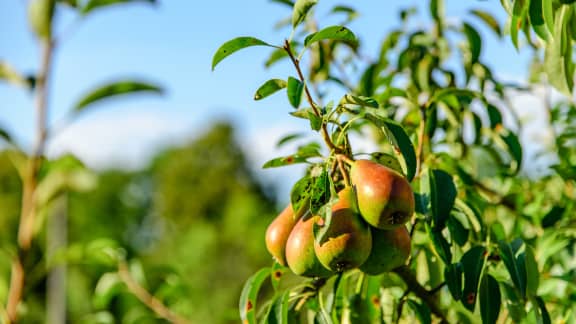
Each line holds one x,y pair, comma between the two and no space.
173,44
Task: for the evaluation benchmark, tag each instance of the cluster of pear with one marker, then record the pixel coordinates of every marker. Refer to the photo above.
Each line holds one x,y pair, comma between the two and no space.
367,229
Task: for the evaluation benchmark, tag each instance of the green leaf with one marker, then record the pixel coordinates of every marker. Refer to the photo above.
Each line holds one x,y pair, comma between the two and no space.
108,286
276,56
40,15
294,90
508,257
437,10
535,12
543,311
553,216
494,115
70,3
269,87
490,299
532,273
300,195
518,13
339,33
445,94
514,147
453,277
474,40
442,197
472,264
279,310
441,245
359,100
5,135
421,310
234,45
558,54
301,8
315,121
10,75
247,305
92,5
115,89
283,161
489,20
320,193
458,232
388,160
548,15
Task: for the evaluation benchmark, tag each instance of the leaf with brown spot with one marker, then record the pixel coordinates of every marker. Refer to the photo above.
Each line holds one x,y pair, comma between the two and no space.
249,294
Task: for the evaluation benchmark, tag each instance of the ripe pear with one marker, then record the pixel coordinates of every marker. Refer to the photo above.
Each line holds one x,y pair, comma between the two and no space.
300,254
390,249
385,198
348,239
278,232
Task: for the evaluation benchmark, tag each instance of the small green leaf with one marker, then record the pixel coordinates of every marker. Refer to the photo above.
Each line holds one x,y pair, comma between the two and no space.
247,305
301,8
532,273
294,90
489,20
315,121
339,33
442,197
548,15
558,54
235,45
508,257
8,73
276,55
40,15
320,193
108,286
279,310
490,299
422,311
494,115
269,87
472,264
359,100
453,277
92,5
441,245
388,160
514,147
474,40
300,195
115,89
283,161
543,311
553,216
458,232
536,15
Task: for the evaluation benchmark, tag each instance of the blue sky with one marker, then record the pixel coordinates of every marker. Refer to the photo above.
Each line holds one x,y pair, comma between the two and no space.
172,44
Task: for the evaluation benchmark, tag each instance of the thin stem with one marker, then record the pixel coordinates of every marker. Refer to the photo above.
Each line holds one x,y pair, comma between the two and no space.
426,296
324,130
343,172
146,298
345,159
30,182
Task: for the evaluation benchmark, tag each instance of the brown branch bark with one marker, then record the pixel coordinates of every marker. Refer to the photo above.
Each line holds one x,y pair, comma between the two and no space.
426,296
30,182
146,298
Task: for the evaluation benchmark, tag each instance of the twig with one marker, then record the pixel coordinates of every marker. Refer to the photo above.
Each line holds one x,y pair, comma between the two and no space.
146,298
437,288
296,63
343,172
426,296
30,182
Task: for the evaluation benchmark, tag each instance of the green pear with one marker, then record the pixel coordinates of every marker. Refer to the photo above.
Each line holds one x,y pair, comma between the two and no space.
348,239
385,198
278,232
390,249
300,254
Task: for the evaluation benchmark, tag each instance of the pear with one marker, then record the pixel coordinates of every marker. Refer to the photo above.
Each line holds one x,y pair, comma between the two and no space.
385,198
278,232
300,254
348,239
390,249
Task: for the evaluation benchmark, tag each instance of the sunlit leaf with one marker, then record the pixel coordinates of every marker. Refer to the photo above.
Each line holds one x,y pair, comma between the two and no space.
92,5
107,287
300,195
489,20
490,299
301,8
532,273
339,33
235,45
10,75
441,245
115,89
269,87
294,91
279,310
247,305
558,54
537,19
40,15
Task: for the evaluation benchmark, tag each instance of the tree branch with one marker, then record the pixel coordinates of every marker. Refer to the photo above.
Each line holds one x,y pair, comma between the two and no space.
146,298
30,183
